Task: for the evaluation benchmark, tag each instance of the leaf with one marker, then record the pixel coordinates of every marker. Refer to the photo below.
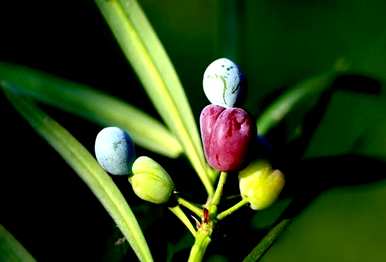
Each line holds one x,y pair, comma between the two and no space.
373,141
93,105
88,170
347,223
305,92
146,54
353,123
266,218
11,250
259,250
342,224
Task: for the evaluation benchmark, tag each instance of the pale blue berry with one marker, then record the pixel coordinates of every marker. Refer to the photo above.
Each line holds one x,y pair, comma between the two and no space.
222,82
114,150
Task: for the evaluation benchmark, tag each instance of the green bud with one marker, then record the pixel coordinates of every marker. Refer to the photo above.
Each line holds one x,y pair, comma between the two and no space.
260,185
150,181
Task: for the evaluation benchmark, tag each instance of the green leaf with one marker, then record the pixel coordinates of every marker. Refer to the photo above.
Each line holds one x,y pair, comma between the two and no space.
353,123
267,217
146,54
11,250
88,170
304,95
93,105
259,250
348,223
342,224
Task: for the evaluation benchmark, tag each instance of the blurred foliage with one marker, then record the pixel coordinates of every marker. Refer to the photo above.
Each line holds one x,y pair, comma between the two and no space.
283,41
347,223
343,224
352,124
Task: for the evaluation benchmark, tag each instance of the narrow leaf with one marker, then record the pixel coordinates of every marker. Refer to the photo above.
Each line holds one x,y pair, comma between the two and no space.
11,250
305,91
266,242
88,170
93,105
146,54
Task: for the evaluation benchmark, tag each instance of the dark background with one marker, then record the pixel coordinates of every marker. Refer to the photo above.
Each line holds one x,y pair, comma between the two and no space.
277,43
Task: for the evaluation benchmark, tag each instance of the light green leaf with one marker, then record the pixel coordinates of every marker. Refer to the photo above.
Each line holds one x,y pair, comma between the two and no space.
88,170
146,54
306,92
11,250
92,104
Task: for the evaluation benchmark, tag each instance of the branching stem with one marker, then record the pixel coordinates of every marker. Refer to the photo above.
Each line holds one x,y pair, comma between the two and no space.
192,207
177,211
232,209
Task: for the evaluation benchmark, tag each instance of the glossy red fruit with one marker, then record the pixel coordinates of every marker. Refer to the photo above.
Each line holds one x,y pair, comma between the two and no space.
225,134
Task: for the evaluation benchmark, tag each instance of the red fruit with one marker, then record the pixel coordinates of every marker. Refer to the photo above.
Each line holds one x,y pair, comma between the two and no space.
225,134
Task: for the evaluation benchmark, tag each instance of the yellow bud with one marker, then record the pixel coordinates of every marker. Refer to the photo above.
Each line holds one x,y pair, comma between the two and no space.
150,181
260,185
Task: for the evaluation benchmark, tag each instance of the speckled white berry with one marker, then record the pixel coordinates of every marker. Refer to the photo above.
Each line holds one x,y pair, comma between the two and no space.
222,82
114,150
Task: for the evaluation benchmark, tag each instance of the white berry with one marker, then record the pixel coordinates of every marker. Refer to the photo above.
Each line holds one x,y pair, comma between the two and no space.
222,82
114,150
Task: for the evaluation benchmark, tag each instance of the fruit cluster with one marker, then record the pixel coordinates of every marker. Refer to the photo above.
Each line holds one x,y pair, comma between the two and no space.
226,132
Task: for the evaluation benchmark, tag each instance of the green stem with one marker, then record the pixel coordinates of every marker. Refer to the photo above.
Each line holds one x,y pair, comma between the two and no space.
177,211
192,207
218,193
206,227
232,209
201,243
213,175
266,242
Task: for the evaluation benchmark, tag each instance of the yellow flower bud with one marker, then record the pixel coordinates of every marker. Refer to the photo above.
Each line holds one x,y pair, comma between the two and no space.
260,185
150,181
